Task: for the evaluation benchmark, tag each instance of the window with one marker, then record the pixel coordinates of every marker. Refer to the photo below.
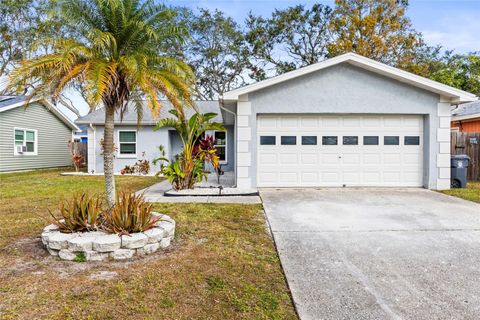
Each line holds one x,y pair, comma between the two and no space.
391,140
350,140
309,140
329,140
370,140
267,140
288,140
127,141
411,140
221,145
25,141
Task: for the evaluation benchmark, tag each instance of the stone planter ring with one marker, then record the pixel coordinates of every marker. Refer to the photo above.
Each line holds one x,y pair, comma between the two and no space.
99,245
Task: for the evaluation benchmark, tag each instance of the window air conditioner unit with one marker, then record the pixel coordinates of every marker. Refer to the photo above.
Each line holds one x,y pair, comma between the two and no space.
21,149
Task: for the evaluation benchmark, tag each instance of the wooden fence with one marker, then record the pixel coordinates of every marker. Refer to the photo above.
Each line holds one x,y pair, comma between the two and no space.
468,143
81,148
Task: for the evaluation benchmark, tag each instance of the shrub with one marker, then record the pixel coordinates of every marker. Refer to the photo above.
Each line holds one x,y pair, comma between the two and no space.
128,169
141,167
130,214
80,214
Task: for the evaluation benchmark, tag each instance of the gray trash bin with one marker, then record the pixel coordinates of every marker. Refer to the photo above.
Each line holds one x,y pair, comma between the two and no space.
458,167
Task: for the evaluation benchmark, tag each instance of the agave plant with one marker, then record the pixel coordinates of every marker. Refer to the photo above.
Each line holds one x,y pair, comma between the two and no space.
130,214
81,214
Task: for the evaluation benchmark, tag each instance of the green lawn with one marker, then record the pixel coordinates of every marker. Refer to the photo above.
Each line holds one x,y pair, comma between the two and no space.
472,192
222,264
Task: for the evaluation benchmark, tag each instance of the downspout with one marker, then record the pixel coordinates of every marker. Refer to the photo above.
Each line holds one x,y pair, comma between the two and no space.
220,103
93,147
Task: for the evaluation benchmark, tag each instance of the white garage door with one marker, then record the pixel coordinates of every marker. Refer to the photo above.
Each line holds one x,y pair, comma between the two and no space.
334,150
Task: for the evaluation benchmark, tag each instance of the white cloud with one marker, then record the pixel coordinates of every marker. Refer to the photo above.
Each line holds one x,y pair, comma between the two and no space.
457,30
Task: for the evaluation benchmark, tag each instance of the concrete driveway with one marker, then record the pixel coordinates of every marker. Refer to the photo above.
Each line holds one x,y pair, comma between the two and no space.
377,253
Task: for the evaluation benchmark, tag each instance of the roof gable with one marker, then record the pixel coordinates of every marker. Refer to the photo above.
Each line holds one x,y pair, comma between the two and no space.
453,94
12,102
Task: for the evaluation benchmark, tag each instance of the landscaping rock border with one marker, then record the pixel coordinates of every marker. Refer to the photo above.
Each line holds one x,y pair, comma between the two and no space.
99,245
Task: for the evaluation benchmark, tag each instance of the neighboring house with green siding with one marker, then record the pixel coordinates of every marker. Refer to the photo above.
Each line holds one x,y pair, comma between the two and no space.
35,136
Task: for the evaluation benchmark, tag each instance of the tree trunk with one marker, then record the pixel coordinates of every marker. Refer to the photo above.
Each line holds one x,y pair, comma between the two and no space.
108,150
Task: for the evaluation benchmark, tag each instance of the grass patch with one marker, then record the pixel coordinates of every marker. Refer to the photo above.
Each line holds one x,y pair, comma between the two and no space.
222,264
25,197
471,192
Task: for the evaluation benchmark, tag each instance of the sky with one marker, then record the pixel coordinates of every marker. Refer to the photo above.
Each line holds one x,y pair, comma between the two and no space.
454,24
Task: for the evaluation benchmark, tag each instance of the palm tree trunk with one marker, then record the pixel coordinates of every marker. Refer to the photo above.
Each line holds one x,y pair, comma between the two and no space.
108,156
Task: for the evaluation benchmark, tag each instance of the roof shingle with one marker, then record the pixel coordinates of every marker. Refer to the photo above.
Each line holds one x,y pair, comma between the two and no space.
130,116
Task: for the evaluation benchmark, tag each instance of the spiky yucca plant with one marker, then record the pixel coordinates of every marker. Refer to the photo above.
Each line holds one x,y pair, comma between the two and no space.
81,214
117,51
130,214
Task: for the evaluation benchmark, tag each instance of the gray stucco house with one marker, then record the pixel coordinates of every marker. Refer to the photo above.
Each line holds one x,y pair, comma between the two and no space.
134,142
346,121
33,137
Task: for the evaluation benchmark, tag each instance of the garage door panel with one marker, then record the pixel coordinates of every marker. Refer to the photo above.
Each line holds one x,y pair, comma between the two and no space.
392,159
330,122
351,158
289,122
330,158
392,121
332,177
267,159
372,158
310,177
309,122
312,165
372,122
288,159
412,158
268,178
372,177
267,123
412,122
309,159
392,176
353,122
288,177
352,177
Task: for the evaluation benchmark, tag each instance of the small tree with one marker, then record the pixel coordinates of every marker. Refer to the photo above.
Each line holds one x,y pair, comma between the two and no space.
188,169
75,155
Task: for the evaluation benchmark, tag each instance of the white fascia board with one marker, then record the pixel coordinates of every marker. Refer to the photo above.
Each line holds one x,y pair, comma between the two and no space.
455,95
472,116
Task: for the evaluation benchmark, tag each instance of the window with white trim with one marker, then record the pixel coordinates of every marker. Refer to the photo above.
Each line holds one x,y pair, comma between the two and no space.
127,141
25,141
221,145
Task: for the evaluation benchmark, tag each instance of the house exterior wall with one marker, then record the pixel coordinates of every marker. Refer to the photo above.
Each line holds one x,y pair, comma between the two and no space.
467,125
52,139
346,89
148,141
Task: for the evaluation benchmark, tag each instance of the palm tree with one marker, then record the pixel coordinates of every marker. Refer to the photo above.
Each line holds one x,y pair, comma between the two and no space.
191,131
114,50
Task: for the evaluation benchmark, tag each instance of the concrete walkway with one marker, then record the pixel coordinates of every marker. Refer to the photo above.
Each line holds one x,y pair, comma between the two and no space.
155,193
377,253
